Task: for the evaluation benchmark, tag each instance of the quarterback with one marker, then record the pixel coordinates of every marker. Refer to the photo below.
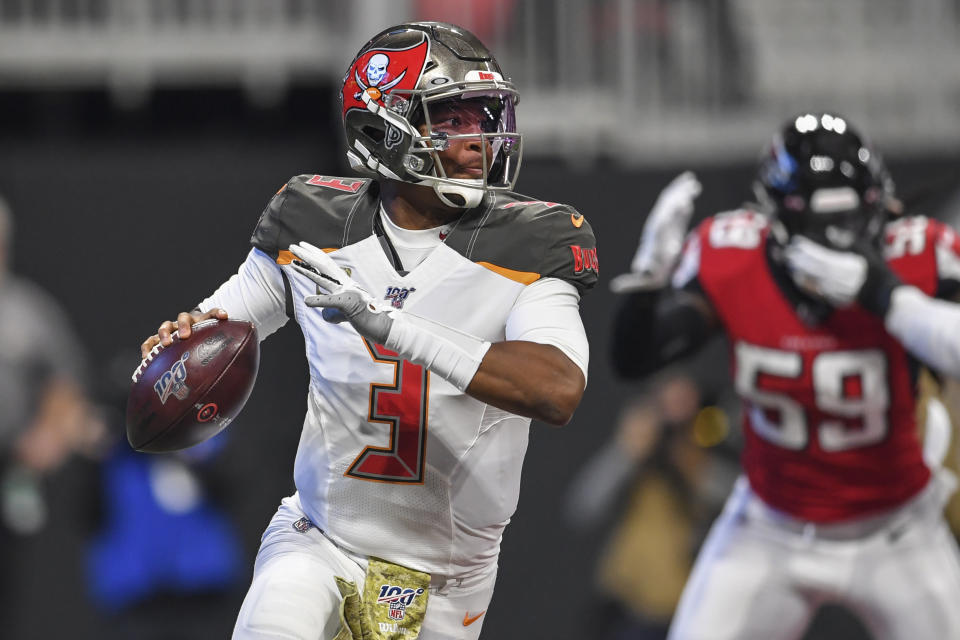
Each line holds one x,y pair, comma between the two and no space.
829,298
440,313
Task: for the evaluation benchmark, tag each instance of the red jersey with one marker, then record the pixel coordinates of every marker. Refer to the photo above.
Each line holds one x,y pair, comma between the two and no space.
829,409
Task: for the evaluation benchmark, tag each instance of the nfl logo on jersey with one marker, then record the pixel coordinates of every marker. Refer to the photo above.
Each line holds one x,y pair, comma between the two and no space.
397,610
398,295
302,525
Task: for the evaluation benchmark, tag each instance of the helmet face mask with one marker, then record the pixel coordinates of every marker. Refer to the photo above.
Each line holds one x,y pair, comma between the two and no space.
821,179
417,92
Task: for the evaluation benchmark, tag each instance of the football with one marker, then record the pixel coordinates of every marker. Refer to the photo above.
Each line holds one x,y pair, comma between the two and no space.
189,391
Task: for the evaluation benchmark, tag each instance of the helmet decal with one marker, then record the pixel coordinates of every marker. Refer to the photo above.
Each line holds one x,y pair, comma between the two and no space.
387,95
379,71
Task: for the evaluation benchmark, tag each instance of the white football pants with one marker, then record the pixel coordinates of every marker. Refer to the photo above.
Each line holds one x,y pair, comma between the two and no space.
293,595
761,575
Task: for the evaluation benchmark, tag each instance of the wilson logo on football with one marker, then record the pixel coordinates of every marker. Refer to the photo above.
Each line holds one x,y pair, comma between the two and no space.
211,347
173,381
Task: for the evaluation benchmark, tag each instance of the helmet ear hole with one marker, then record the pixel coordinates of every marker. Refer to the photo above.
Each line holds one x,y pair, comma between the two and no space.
373,133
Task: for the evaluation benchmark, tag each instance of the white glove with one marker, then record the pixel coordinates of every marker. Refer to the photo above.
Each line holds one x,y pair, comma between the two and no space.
662,239
834,276
345,299
452,355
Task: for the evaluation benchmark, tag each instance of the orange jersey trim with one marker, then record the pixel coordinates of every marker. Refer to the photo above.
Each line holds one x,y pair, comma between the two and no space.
523,277
285,257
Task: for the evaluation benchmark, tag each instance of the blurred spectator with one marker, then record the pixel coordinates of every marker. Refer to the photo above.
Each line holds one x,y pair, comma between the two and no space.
45,415
661,467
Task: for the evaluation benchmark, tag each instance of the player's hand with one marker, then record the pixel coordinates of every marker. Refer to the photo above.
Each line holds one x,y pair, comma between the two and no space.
841,277
345,300
662,239
181,326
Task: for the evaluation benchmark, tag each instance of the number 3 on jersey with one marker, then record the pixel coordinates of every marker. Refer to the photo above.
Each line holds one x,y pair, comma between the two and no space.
846,384
403,406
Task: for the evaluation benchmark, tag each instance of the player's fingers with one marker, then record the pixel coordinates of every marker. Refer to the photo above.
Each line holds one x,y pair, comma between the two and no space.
690,184
334,316
320,261
349,302
184,322
148,345
216,312
321,301
327,284
165,333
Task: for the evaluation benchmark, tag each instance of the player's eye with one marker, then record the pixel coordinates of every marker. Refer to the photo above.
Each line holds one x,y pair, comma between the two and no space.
450,123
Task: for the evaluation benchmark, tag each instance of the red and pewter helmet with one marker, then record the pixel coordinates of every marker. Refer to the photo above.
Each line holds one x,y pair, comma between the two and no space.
405,74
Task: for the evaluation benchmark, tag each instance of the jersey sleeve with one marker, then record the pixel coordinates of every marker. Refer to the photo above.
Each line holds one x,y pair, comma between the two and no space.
573,256
255,293
530,240
272,233
548,312
327,212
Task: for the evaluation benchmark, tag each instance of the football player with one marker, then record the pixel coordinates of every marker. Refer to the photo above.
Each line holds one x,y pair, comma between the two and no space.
829,304
440,313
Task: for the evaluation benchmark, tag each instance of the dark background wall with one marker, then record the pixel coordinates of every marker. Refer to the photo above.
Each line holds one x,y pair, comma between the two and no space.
128,218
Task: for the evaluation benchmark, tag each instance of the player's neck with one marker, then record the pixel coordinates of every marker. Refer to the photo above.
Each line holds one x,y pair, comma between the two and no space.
415,207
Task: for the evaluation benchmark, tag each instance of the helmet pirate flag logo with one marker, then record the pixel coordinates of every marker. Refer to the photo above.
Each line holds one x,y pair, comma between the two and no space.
379,71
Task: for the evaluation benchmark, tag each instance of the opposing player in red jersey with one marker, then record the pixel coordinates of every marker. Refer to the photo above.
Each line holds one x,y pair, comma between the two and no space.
829,307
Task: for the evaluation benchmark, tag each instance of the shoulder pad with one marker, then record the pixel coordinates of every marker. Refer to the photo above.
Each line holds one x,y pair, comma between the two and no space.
922,252
910,236
326,211
526,240
737,229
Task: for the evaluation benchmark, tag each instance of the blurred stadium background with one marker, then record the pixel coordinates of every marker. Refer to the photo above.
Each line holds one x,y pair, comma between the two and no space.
140,139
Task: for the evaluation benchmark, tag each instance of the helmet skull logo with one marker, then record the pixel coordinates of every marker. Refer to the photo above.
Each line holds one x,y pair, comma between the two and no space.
376,71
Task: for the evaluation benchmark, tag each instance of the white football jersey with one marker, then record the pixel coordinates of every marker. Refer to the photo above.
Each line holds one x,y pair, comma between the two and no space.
394,461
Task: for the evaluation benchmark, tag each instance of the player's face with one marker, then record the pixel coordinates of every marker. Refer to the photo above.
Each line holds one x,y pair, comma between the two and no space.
461,120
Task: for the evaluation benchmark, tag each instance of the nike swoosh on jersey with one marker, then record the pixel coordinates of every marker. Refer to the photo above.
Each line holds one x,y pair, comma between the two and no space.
577,220
467,620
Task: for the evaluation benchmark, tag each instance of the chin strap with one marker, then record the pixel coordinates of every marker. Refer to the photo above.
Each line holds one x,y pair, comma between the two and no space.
472,195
